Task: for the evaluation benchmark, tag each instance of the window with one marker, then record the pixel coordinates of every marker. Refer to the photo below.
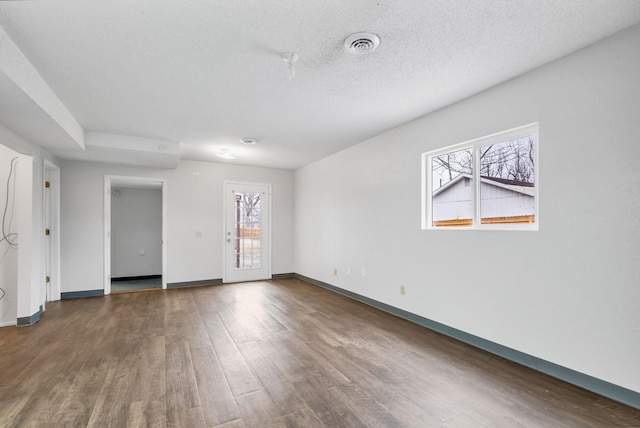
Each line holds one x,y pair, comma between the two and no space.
486,183
247,227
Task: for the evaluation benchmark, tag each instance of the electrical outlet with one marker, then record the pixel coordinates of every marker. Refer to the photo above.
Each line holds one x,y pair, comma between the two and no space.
364,272
348,271
335,272
402,290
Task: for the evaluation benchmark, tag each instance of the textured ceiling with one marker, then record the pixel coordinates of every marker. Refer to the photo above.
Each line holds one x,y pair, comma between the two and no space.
208,73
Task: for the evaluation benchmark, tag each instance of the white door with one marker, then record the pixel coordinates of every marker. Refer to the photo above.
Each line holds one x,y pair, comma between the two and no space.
247,232
51,225
47,235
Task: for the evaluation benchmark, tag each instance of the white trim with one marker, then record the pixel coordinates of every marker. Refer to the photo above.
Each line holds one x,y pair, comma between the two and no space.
122,179
8,323
477,184
531,129
426,180
107,235
164,233
54,274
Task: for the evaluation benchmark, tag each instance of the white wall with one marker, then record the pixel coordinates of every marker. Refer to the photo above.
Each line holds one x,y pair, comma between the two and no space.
8,253
29,252
136,226
194,204
28,295
568,293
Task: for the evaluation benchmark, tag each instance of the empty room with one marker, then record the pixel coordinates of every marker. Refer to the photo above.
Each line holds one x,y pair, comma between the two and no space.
415,213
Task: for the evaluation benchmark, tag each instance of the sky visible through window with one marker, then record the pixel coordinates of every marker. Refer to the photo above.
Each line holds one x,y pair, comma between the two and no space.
510,160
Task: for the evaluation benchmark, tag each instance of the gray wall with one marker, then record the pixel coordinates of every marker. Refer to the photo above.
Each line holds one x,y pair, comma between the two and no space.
136,226
568,293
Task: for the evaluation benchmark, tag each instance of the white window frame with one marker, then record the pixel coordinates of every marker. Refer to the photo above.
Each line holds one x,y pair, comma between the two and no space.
531,129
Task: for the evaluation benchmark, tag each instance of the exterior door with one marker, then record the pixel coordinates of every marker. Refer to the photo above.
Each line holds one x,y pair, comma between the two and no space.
247,232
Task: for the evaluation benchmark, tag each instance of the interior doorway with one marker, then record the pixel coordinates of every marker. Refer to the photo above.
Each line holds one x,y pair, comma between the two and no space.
247,231
135,229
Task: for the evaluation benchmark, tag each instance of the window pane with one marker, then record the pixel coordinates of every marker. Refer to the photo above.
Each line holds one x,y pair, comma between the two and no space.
452,197
507,182
247,231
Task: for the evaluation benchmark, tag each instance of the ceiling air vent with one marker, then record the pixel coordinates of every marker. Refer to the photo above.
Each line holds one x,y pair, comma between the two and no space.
361,43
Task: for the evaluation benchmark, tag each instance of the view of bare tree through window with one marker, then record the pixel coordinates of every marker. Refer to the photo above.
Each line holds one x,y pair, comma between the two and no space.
448,166
512,160
247,231
507,184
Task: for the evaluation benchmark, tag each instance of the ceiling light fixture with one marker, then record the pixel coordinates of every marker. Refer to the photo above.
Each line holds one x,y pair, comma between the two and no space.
361,43
249,141
225,154
290,58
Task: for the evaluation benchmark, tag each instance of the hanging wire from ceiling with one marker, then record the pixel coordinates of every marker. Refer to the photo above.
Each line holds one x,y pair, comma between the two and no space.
10,238
290,58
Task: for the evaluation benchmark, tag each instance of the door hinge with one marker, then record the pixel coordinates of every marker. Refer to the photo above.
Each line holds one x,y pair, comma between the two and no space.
47,279
47,232
47,184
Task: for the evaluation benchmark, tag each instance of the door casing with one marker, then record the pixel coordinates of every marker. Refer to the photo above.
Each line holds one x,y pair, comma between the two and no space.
130,181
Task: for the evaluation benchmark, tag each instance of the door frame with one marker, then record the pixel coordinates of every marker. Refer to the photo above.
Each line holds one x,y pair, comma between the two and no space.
124,180
225,199
51,210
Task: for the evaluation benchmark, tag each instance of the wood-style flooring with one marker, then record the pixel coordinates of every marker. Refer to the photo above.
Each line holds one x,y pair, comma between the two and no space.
279,353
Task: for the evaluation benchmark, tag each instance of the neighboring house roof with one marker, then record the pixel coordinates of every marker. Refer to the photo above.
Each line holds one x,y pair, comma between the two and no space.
450,184
515,186
509,182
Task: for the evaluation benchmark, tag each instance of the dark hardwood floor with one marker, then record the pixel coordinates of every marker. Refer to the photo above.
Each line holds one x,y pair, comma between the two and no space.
279,353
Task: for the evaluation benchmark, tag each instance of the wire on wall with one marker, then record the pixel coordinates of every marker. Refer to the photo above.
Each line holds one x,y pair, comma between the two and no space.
10,238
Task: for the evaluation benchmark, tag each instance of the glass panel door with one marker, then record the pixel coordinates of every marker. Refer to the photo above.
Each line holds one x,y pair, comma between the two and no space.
247,227
247,232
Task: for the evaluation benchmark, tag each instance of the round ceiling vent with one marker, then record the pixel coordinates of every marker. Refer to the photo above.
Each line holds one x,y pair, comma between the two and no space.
361,43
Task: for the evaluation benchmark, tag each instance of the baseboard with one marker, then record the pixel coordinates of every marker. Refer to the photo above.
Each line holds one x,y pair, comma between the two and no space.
136,278
590,383
8,323
195,283
283,275
31,320
78,294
